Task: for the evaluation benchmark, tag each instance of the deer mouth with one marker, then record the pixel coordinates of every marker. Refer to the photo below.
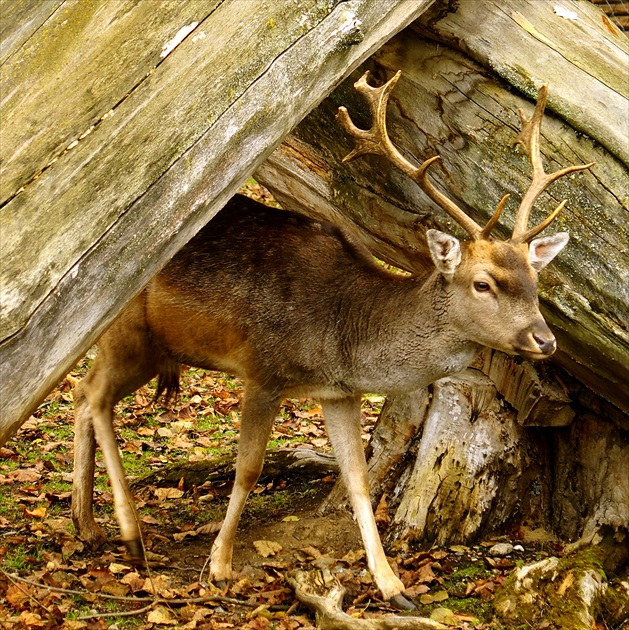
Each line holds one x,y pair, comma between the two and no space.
535,356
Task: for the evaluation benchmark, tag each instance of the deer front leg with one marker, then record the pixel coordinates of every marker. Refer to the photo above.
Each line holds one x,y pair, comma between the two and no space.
258,413
83,482
342,418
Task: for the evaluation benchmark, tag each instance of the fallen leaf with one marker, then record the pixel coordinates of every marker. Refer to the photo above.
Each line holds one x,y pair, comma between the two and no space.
39,512
431,598
157,586
425,574
267,548
31,620
209,528
181,535
24,475
17,596
115,567
445,616
70,547
313,552
414,591
162,616
168,493
115,588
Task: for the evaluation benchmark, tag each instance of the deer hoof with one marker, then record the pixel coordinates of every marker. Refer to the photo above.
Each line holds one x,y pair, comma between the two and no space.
134,547
401,603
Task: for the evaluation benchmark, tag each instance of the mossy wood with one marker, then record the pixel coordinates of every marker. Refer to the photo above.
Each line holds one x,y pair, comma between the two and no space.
465,109
124,130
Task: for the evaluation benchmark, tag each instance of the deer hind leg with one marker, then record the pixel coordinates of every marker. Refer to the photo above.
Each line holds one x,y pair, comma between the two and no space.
342,418
83,482
258,413
125,362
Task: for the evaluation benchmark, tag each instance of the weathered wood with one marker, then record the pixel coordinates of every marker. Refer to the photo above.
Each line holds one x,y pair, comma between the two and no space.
322,591
447,103
540,402
565,43
85,58
569,592
19,19
99,222
465,474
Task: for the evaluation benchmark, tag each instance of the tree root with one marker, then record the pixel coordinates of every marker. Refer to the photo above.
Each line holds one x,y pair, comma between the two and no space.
570,592
322,592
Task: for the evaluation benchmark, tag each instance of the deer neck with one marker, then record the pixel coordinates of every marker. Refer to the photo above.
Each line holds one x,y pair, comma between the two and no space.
410,339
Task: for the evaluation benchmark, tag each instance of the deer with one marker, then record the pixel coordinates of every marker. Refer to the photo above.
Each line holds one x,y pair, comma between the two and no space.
299,308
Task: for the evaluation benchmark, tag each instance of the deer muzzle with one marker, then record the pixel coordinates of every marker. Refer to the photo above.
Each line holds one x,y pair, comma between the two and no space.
537,341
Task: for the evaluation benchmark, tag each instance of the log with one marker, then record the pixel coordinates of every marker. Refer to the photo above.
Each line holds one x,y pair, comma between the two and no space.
448,103
138,125
278,463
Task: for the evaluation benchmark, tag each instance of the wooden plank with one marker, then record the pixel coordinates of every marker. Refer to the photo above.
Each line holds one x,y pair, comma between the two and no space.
117,206
530,43
81,63
446,103
19,19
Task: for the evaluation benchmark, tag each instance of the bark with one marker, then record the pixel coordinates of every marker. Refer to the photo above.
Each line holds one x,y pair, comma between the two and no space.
136,127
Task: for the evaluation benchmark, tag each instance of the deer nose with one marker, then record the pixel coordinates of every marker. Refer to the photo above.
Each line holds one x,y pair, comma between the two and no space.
547,343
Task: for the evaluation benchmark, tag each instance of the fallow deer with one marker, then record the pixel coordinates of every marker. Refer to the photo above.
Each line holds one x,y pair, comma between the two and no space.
297,307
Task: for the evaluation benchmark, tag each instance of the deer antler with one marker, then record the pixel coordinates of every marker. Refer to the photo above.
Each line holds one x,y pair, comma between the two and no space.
529,139
376,140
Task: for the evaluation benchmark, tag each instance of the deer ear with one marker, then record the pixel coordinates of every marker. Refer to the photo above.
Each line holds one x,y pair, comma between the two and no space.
543,250
445,251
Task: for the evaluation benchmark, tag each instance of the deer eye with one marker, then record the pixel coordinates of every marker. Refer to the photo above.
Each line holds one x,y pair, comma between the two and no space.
482,287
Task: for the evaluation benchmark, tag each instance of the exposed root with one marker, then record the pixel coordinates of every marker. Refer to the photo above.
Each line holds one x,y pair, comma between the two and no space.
322,592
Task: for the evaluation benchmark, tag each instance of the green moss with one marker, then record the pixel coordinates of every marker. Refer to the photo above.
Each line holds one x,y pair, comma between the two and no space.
552,591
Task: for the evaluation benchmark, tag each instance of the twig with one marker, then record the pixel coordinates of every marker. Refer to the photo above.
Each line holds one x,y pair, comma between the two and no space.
120,598
123,613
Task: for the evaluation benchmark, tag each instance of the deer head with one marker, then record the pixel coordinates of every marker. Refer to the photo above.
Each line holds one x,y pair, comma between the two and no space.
492,284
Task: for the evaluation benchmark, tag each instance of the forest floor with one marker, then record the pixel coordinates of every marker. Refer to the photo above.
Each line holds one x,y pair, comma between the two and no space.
50,579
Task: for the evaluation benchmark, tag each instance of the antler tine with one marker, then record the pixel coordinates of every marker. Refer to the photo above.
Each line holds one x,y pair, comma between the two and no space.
494,218
376,140
529,139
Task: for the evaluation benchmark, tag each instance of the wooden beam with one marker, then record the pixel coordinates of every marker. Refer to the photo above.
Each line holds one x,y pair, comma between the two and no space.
90,229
